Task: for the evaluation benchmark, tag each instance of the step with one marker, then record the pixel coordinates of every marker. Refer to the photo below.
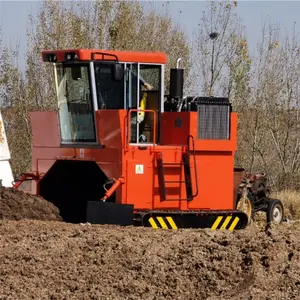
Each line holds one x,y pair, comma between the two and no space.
178,199
175,181
173,164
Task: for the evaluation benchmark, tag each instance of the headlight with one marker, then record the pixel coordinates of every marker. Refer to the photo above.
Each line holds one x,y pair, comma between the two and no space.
71,56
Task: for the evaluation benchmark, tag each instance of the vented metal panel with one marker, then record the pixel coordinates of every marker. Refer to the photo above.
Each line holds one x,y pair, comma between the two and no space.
213,120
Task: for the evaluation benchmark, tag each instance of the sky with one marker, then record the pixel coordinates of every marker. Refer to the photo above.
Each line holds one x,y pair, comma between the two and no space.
14,17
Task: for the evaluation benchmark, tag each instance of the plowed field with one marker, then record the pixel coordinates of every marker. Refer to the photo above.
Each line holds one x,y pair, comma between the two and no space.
49,259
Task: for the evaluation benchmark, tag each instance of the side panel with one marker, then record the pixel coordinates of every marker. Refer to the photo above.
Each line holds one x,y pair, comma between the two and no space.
214,176
45,129
215,169
142,184
175,128
215,181
139,179
215,145
109,160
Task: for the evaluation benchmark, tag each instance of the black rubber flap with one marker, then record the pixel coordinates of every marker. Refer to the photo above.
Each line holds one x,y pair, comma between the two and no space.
109,213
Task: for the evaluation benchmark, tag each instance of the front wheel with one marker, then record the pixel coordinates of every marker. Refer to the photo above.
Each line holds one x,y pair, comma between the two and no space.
246,205
275,211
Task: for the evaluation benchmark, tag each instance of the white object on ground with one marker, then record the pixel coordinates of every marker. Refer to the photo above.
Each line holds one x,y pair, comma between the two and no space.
6,175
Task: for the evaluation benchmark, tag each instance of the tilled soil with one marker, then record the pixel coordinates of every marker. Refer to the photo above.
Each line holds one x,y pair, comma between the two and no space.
55,260
17,205
44,258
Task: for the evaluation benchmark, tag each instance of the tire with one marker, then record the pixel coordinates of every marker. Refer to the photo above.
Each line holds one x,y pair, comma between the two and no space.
250,209
275,211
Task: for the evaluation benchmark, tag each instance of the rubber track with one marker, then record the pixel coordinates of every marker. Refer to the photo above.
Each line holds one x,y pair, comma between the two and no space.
216,219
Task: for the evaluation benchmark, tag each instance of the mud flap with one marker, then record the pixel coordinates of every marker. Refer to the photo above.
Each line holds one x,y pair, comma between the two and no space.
109,213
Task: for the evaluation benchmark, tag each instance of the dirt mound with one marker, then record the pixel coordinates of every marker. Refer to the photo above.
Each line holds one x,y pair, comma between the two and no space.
17,205
54,260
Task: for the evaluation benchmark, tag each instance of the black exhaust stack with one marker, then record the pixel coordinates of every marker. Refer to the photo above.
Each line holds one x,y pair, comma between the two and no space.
176,82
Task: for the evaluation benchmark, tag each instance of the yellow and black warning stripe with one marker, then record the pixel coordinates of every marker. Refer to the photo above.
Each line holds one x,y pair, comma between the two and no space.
216,222
225,222
163,222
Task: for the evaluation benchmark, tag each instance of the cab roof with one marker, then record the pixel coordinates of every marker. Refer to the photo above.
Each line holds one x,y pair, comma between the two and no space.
106,55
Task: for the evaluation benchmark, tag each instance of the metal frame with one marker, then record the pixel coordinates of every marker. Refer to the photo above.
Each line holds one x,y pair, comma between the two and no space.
93,91
93,84
94,95
124,82
90,65
162,70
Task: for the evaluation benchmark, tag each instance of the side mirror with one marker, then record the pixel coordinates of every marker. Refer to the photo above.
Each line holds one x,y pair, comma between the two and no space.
117,71
76,72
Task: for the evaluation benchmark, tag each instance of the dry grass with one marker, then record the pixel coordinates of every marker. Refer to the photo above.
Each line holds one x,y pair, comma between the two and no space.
291,202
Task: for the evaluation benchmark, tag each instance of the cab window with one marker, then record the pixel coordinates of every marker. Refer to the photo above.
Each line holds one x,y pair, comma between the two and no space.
110,93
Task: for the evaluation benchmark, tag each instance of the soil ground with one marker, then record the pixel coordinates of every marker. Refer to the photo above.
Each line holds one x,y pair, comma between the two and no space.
17,205
42,259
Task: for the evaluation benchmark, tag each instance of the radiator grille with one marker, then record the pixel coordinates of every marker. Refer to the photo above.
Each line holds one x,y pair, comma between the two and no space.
213,120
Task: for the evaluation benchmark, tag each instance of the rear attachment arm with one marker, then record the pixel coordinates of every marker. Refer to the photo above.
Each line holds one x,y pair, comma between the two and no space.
113,188
25,177
102,212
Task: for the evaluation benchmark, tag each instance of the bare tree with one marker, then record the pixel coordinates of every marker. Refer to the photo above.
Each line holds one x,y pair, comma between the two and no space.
271,139
264,88
116,25
220,50
14,107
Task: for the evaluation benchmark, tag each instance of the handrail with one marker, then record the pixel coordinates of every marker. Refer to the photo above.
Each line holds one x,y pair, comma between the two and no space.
190,137
154,124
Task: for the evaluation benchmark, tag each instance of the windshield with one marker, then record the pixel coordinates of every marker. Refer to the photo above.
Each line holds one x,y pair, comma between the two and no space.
76,111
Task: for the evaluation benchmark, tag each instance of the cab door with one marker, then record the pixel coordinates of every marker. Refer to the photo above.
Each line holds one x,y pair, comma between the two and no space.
152,83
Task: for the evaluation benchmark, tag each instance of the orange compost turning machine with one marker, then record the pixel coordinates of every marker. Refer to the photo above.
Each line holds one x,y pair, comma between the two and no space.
120,151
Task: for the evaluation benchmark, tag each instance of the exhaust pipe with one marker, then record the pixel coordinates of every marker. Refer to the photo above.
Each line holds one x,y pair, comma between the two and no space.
176,82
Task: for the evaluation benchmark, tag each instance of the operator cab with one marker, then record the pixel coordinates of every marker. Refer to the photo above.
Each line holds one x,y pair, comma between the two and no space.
88,81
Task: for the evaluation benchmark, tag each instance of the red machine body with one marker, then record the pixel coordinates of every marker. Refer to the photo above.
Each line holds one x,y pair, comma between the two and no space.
180,175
